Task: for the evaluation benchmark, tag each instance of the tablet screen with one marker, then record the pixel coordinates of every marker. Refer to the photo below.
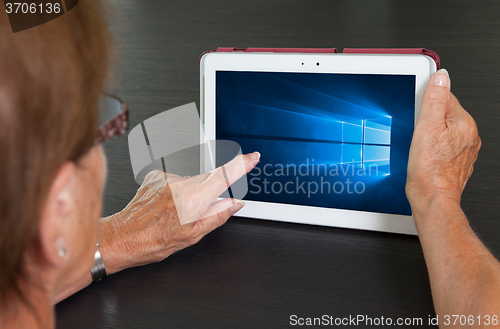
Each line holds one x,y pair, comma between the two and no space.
326,139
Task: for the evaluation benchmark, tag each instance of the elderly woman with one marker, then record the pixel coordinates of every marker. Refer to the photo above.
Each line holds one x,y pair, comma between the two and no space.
52,173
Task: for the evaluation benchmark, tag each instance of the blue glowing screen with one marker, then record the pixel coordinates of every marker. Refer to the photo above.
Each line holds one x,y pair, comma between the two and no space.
327,140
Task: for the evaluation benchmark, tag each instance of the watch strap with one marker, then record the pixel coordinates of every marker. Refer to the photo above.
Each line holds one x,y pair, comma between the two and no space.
98,271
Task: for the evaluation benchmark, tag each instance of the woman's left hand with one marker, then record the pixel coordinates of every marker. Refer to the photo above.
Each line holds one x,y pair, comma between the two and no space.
169,213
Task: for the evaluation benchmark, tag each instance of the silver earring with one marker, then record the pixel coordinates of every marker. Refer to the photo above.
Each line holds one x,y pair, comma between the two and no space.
62,251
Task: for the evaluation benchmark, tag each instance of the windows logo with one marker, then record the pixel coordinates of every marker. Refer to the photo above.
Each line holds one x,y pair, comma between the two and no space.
367,144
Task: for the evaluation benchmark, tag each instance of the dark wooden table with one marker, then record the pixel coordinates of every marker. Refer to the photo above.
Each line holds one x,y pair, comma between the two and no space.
256,274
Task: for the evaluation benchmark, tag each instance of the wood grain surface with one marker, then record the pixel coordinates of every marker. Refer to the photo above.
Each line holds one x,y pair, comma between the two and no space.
256,274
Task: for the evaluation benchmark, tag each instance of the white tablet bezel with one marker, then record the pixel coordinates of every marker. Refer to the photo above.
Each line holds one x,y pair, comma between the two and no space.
419,65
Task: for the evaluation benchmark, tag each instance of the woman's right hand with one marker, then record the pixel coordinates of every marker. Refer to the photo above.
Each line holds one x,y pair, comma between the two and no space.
444,148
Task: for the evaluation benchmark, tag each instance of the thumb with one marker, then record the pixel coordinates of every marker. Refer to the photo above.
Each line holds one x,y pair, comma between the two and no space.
436,97
216,217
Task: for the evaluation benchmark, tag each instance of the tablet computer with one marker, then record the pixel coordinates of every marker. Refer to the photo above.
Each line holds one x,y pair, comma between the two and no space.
334,132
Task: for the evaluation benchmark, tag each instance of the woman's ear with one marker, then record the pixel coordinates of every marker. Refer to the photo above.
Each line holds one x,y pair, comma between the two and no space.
58,207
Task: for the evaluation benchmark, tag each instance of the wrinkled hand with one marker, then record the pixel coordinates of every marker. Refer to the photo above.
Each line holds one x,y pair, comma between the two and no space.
444,148
169,213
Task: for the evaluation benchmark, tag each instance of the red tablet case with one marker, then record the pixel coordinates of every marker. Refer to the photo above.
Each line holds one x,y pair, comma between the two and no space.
418,51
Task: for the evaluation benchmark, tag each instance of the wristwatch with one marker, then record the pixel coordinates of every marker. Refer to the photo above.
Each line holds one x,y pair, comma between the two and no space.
97,271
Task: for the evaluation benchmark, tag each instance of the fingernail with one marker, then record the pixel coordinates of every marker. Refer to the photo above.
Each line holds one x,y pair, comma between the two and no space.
255,156
441,78
237,206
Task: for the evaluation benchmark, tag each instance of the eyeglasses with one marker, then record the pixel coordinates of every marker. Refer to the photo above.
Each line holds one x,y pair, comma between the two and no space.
113,118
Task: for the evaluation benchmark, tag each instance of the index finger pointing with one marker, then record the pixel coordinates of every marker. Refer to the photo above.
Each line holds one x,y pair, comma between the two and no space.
221,178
